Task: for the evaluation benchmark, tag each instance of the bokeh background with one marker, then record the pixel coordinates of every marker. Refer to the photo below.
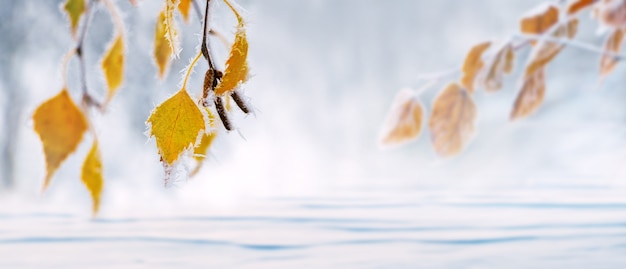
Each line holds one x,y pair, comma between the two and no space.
303,182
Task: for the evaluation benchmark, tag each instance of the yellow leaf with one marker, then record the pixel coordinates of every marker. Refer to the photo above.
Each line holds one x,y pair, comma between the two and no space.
113,66
531,95
237,64
183,7
613,44
60,125
75,10
201,150
176,125
579,5
92,175
162,50
404,122
545,52
540,19
502,63
171,32
473,64
452,120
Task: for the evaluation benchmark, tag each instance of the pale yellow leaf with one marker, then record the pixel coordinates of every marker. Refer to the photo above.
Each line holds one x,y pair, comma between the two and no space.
404,122
452,120
502,63
92,175
613,44
171,31
162,49
473,65
202,149
531,95
60,125
176,125
75,10
113,66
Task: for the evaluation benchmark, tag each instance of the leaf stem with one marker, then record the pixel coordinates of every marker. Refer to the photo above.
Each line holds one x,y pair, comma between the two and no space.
115,16
190,69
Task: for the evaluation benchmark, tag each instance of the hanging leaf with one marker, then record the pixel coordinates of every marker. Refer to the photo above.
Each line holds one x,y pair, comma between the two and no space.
611,13
473,65
60,125
579,5
452,120
202,149
404,122
540,19
92,175
75,10
183,7
162,49
531,95
176,125
237,64
545,52
113,66
171,31
613,44
502,63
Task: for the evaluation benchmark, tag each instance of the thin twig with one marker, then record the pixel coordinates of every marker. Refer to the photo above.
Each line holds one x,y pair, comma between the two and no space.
575,44
205,45
79,49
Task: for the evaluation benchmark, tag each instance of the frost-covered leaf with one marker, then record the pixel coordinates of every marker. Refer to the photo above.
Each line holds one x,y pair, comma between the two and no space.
502,63
202,149
162,49
473,65
540,19
92,175
236,71
579,5
611,13
530,96
546,51
60,125
176,125
113,66
75,10
171,31
183,7
404,121
613,44
452,120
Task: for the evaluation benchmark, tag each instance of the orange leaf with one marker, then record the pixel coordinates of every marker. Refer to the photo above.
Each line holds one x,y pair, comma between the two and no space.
473,64
547,51
176,125
92,175
613,44
236,71
452,120
531,95
612,13
579,5
60,125
162,50
501,64
113,66
404,122
183,7
540,20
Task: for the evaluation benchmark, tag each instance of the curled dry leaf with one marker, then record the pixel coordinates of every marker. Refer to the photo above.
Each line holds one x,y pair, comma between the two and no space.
162,49
176,125
540,19
531,95
404,122
546,51
473,65
171,31
502,63
75,10
236,71
113,66
579,5
92,175
452,120
183,7
60,125
611,13
613,44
